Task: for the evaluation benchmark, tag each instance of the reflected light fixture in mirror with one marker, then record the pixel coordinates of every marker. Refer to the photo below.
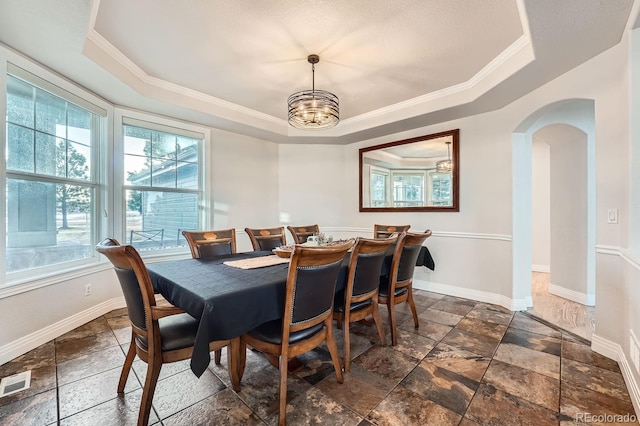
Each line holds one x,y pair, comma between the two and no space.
411,175
445,166
313,109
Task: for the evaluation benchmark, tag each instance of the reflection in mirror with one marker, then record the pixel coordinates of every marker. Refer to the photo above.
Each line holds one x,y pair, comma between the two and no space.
418,174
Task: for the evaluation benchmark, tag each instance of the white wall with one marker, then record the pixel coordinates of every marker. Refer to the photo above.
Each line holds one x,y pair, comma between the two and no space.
245,192
312,185
35,317
568,221
634,181
541,208
471,247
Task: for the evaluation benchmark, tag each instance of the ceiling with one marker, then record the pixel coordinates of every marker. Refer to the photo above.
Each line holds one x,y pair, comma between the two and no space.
231,64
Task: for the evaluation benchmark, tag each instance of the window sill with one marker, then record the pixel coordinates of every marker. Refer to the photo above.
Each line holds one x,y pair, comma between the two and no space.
33,283
36,282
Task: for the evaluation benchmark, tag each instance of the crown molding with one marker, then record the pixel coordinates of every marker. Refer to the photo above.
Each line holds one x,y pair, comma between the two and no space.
97,48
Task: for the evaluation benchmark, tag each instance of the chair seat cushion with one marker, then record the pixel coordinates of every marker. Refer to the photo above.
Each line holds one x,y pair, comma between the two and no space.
271,332
382,291
338,303
176,332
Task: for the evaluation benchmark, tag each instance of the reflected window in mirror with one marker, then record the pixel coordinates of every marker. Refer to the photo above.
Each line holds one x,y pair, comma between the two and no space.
418,174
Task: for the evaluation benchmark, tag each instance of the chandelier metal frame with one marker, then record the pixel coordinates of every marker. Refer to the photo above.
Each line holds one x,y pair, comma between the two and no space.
445,166
313,109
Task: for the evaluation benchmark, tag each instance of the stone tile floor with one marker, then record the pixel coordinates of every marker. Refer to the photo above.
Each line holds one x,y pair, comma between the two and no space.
566,314
469,363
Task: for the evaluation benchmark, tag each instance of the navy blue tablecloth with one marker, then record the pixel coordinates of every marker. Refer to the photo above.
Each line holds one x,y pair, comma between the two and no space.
228,301
425,259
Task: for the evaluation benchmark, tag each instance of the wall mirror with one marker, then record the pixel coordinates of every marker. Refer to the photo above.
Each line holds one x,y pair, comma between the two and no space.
417,174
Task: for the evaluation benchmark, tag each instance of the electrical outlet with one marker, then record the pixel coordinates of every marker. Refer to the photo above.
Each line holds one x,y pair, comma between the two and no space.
87,289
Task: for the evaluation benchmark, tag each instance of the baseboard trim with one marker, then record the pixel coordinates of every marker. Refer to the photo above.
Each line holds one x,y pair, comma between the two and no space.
31,341
541,268
576,296
615,352
479,295
605,347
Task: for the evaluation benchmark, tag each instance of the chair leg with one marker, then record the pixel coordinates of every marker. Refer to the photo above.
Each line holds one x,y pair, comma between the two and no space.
392,321
282,411
218,356
128,362
233,356
242,359
378,321
412,305
333,349
347,346
153,371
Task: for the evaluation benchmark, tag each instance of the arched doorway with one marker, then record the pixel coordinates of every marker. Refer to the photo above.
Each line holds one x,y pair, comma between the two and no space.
568,128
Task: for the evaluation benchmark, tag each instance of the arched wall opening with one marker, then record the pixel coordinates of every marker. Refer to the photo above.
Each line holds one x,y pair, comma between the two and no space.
568,126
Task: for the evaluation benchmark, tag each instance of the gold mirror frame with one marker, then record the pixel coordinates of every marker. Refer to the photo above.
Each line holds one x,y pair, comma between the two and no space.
435,141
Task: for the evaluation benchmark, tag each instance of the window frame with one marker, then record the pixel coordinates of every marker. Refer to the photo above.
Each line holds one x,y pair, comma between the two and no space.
123,116
376,170
420,173
30,279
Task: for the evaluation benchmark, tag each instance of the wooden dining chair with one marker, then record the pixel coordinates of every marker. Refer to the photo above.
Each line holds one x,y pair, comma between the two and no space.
209,244
205,244
359,299
266,239
384,231
307,316
301,233
159,334
397,286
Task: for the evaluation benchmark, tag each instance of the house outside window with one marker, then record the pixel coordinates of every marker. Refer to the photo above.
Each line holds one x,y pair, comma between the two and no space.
162,184
52,185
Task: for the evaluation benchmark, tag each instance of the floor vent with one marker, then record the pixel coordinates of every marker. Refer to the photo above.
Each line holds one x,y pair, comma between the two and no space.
16,383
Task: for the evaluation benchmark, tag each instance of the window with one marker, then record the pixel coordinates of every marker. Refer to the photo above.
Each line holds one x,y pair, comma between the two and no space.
52,178
379,187
408,189
441,189
162,184
397,188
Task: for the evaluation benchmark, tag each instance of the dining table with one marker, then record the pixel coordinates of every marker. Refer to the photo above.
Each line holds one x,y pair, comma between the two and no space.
228,299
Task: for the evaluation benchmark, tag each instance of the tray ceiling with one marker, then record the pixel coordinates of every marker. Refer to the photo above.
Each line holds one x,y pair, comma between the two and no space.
233,63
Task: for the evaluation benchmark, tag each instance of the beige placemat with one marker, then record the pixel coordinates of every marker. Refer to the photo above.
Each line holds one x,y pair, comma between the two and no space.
257,262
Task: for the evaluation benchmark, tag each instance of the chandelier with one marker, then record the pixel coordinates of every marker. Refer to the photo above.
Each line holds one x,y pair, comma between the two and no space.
313,109
445,166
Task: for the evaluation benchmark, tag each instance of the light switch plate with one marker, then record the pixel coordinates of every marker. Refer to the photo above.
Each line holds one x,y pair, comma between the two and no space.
612,216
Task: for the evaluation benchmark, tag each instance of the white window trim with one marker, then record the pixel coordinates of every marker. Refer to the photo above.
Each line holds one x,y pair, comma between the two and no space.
21,282
430,184
410,172
156,122
387,190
